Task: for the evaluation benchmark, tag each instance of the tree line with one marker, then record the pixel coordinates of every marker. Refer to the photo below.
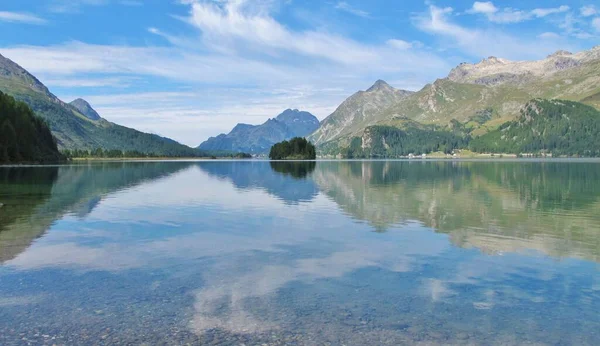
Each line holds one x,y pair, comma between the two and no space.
390,142
116,153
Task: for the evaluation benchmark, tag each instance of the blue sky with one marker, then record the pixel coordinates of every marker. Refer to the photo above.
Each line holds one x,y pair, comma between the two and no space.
190,69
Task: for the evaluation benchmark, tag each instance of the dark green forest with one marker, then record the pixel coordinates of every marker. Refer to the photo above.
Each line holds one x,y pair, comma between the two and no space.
390,142
557,127
24,137
295,149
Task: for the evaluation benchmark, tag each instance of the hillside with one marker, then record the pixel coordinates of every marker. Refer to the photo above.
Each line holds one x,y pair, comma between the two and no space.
392,142
258,139
358,111
74,129
480,96
557,127
24,137
501,88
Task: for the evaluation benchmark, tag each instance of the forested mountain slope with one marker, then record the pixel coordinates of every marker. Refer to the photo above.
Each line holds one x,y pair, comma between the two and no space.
74,130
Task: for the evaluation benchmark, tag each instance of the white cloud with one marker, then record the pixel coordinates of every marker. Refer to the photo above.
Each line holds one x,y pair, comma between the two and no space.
573,26
74,6
437,23
237,25
543,12
483,43
596,24
588,10
483,7
344,6
20,17
511,15
79,58
399,44
549,36
69,82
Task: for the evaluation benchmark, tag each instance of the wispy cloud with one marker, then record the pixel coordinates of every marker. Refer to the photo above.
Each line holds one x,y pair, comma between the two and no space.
239,24
70,82
482,43
344,6
588,10
74,6
20,17
575,26
549,35
400,44
512,15
596,24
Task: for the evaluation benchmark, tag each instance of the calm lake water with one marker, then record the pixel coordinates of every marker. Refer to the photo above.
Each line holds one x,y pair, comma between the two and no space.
354,253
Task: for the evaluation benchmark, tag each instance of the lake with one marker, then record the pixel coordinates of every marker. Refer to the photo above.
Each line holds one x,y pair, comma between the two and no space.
252,252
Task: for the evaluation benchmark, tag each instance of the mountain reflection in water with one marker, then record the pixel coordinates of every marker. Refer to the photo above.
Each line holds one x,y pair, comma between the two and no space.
339,252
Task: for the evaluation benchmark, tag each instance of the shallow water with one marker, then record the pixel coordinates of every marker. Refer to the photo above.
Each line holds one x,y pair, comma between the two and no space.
354,253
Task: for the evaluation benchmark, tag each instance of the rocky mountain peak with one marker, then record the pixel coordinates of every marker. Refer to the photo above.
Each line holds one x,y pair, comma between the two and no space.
300,122
492,60
241,127
560,53
291,114
85,108
379,85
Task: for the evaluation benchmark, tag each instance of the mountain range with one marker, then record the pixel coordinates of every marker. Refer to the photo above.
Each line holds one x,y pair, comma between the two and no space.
77,125
258,139
486,106
478,97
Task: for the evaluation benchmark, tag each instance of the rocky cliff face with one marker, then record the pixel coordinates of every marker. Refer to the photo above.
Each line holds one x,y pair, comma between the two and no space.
358,111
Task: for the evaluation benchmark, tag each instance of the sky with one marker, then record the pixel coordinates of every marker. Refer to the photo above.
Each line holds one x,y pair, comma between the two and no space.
191,69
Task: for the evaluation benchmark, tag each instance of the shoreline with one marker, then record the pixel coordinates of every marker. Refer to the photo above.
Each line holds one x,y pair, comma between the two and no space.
162,158
428,159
